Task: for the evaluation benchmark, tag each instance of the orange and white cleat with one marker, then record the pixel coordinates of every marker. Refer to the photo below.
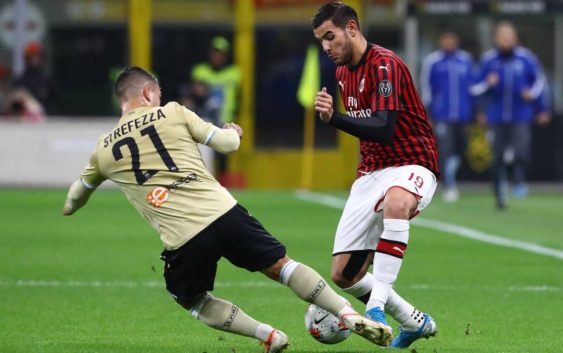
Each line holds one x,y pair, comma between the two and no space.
276,342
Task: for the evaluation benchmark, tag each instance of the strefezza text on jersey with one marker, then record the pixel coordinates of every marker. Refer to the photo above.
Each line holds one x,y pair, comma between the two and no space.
136,123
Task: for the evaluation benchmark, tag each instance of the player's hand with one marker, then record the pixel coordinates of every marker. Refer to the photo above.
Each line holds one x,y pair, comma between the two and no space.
527,95
323,104
235,127
492,79
481,119
67,210
543,118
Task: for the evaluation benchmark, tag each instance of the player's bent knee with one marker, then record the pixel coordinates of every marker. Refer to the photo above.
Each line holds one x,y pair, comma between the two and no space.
399,204
195,302
339,279
346,281
274,270
350,268
397,212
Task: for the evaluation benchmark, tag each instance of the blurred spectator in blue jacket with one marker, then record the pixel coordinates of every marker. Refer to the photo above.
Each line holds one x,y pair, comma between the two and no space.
514,89
446,77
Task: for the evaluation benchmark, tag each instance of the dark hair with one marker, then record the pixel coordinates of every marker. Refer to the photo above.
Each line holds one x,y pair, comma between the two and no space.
338,12
449,32
129,75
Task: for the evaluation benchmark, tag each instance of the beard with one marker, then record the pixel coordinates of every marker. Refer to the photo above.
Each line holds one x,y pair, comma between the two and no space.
347,53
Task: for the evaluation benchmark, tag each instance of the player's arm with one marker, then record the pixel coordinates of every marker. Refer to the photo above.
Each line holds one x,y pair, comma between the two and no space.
224,140
486,79
427,74
385,104
378,127
80,191
538,85
77,196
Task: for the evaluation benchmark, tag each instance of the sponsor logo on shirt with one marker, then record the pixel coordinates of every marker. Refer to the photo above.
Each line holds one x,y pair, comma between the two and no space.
362,113
158,196
185,180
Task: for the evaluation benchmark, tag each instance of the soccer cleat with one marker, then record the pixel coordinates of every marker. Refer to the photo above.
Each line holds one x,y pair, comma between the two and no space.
276,342
501,205
406,338
375,332
450,195
520,190
377,315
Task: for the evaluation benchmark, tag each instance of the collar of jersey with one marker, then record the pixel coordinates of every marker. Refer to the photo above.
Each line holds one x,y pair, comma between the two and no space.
362,59
131,113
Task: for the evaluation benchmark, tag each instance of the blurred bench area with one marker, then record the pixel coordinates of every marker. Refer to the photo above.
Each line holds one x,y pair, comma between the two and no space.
59,59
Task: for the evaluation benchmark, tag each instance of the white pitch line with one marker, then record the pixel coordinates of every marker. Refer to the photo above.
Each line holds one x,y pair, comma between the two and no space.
454,229
246,284
536,289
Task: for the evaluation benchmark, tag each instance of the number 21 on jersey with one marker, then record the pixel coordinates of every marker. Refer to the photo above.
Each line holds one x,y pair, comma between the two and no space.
141,176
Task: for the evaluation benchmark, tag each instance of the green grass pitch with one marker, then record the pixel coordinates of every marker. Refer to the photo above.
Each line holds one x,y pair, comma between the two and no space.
92,282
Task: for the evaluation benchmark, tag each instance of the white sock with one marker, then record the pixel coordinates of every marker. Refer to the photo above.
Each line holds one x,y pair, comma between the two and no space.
287,270
387,260
406,315
347,310
362,287
398,308
263,331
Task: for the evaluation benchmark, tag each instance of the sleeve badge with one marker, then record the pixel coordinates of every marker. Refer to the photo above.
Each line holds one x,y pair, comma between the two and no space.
385,88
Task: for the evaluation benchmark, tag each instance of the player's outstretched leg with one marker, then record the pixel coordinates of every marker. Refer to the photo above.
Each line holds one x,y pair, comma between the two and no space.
308,285
414,323
225,316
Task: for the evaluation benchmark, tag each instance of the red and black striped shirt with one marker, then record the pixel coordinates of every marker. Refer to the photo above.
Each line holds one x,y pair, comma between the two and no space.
382,81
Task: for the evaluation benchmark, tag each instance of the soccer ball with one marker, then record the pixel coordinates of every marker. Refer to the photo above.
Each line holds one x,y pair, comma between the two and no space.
325,327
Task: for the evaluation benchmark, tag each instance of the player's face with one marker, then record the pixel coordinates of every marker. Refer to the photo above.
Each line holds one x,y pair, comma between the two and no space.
448,42
218,58
506,38
335,42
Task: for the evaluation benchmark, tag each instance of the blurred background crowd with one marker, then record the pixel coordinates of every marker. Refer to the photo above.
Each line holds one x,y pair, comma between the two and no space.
489,72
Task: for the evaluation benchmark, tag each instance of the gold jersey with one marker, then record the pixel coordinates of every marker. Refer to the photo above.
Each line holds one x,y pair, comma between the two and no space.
152,155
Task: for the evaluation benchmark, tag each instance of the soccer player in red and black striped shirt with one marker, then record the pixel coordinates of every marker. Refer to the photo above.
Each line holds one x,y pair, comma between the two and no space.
397,173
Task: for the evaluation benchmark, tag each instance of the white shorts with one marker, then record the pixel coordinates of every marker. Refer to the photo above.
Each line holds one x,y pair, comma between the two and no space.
361,223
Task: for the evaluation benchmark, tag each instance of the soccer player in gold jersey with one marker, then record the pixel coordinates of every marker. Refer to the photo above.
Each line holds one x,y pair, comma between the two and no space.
152,155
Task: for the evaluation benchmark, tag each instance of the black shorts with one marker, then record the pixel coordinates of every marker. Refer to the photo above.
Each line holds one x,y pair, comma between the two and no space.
237,236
